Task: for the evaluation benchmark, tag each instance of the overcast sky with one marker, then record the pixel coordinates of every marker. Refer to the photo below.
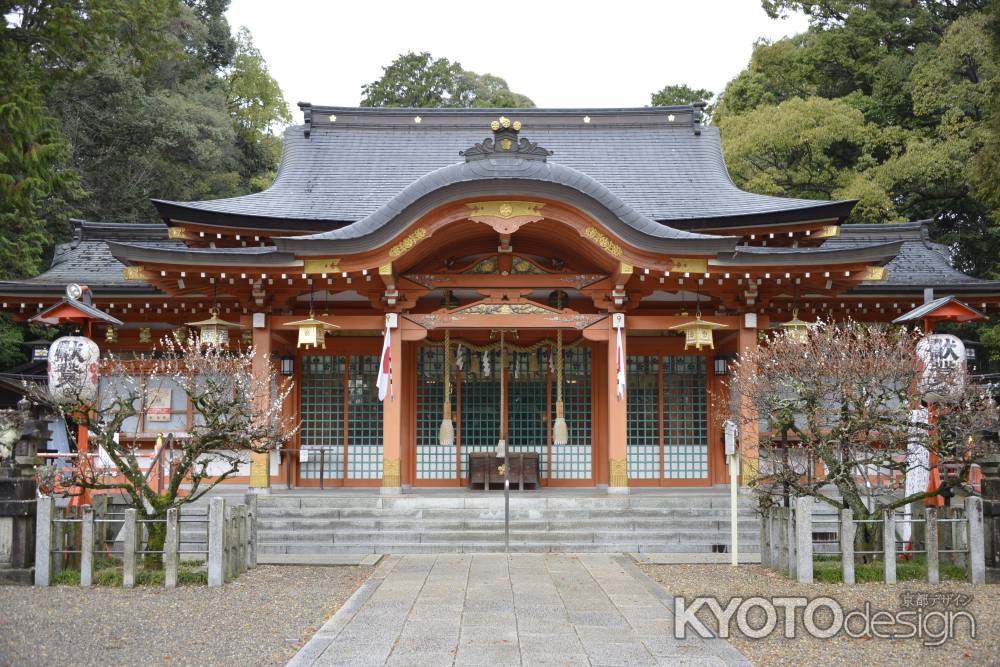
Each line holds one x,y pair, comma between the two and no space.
612,53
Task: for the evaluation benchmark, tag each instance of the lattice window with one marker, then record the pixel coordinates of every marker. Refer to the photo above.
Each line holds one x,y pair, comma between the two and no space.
433,460
643,416
574,461
480,407
526,424
322,413
685,410
364,423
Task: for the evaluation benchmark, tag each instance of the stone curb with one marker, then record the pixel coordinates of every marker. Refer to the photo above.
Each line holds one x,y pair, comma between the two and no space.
319,642
720,647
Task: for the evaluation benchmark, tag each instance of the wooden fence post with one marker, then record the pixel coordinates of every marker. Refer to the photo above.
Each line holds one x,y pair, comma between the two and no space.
216,541
87,546
171,549
803,540
129,534
252,509
45,507
977,545
58,540
848,531
931,542
766,555
790,543
244,534
100,527
889,545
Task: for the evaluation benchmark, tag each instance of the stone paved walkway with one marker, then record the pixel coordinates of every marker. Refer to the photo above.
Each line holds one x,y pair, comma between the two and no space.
530,609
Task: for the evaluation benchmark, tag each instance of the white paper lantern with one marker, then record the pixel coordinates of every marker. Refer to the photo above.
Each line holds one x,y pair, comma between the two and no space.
73,370
942,375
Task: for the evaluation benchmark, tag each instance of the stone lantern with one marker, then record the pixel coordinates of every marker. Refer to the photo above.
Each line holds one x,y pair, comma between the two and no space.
23,433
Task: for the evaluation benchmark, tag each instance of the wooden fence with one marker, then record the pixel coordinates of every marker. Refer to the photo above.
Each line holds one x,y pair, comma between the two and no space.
788,545
74,536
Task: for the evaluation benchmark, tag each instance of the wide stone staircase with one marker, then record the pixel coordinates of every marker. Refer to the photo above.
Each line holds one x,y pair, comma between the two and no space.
684,522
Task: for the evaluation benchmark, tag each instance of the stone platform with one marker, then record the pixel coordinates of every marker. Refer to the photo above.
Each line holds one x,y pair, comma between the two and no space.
690,522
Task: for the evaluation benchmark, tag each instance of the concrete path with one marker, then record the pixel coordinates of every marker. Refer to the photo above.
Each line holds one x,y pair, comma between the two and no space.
530,609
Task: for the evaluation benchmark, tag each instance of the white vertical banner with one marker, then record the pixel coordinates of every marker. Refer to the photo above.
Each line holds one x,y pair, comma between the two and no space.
618,321
384,383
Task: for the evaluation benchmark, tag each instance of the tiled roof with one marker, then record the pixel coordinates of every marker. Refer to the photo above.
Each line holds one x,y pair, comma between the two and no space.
918,265
346,170
87,259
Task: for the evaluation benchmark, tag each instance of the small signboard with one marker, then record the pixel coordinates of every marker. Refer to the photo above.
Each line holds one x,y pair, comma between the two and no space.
158,409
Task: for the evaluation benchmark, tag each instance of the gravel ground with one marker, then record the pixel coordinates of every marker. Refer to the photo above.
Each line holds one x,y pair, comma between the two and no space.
725,582
262,618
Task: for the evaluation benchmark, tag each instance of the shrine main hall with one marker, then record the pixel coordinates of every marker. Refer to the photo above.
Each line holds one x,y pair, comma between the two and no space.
608,249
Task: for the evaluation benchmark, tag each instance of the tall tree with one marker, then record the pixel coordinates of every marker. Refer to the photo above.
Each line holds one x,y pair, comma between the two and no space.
420,80
106,103
886,102
258,109
677,95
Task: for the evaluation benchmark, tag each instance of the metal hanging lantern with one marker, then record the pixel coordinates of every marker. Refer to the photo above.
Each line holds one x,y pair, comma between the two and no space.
312,332
797,330
698,332
214,331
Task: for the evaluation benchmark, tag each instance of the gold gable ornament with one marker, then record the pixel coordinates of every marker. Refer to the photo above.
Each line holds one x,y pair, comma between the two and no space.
214,331
312,332
698,332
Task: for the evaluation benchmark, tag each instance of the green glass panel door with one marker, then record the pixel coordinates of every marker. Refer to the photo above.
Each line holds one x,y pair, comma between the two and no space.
678,386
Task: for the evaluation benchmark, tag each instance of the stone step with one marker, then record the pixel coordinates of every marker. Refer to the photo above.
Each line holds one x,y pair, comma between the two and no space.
493,500
393,523
491,547
493,513
416,536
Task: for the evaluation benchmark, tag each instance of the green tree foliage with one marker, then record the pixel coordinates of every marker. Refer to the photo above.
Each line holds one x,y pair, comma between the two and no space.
678,95
107,103
890,103
258,109
34,183
420,80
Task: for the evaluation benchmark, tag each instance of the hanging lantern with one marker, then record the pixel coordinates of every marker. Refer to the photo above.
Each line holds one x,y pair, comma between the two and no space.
181,333
214,331
246,337
145,335
797,330
73,368
111,335
312,332
698,332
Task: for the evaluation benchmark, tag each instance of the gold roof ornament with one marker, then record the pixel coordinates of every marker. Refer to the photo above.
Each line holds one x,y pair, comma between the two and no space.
214,331
698,332
312,332
797,330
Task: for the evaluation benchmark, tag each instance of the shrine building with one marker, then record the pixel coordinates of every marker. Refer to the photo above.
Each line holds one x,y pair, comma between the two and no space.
577,236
